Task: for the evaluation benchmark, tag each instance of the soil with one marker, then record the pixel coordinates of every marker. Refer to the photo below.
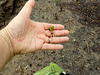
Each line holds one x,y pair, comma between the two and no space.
81,54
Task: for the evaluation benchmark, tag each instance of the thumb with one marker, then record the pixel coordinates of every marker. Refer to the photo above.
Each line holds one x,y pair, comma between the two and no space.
27,9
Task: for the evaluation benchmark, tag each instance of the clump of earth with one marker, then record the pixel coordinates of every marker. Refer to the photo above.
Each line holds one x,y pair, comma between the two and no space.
81,54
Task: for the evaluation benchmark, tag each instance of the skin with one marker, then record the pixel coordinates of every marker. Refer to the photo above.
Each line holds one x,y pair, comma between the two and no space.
23,35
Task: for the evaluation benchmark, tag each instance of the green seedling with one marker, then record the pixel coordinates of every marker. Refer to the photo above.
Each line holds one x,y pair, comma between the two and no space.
51,28
53,69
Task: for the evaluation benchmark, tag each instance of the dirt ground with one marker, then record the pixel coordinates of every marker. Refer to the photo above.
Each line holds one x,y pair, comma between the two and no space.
81,55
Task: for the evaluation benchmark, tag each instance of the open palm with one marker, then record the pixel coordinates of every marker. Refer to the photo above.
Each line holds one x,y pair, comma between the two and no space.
29,36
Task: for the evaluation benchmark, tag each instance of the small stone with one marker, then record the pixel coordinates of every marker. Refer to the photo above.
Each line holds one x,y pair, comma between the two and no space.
74,39
87,65
63,56
98,68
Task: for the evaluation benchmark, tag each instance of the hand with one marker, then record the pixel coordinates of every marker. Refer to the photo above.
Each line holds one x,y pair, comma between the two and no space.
28,36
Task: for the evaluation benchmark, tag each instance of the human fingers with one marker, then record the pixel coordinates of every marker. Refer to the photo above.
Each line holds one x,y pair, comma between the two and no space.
57,32
56,39
47,26
51,47
27,9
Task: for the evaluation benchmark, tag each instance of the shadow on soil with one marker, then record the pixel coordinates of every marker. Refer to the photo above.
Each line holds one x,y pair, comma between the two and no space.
89,12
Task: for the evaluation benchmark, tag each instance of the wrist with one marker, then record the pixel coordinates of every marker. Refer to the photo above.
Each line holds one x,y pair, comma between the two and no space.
7,42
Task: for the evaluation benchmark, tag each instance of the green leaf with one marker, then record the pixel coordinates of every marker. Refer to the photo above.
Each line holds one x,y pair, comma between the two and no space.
51,28
53,69
56,68
44,71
